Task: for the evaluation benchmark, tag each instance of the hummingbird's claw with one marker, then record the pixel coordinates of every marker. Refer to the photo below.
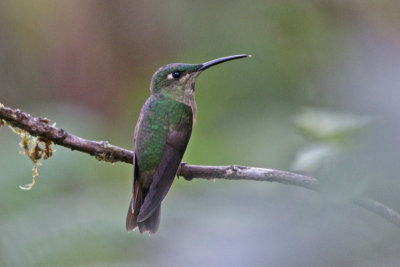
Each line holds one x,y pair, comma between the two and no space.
178,173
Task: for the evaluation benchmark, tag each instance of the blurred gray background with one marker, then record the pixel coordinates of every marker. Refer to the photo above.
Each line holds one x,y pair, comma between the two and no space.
87,65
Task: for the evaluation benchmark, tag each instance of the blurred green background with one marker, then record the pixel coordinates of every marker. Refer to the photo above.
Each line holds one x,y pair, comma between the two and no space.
87,65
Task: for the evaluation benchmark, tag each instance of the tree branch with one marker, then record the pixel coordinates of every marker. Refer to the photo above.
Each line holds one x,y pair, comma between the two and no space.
103,150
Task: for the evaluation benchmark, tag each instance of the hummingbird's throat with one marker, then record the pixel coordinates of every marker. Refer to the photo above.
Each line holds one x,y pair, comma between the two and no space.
184,92
183,89
188,98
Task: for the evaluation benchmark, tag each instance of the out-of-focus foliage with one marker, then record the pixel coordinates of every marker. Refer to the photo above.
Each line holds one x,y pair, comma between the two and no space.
330,134
327,126
87,65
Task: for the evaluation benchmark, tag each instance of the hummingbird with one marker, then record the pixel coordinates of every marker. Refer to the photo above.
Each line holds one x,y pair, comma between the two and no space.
161,135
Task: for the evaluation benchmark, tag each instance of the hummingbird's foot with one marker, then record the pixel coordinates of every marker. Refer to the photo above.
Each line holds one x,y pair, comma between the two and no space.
179,172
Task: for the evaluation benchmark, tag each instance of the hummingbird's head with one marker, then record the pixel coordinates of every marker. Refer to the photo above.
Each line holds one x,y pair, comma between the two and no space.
173,79
177,80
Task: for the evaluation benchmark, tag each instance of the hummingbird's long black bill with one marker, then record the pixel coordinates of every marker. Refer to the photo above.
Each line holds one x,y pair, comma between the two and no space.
214,62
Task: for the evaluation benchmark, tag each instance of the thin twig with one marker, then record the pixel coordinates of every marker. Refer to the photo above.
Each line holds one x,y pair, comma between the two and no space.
103,150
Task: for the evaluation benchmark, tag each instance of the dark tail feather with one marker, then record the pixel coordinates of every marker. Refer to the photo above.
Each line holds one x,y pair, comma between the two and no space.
134,207
151,224
131,222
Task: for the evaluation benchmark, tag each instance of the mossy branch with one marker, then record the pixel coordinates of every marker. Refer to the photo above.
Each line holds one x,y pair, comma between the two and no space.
104,151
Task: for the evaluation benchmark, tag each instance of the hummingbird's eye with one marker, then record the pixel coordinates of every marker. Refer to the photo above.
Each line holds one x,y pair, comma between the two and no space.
176,74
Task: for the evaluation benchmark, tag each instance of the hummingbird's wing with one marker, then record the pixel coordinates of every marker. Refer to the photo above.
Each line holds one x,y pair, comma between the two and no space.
174,149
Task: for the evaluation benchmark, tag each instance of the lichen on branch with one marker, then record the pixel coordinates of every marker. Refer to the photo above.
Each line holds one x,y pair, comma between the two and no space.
35,148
